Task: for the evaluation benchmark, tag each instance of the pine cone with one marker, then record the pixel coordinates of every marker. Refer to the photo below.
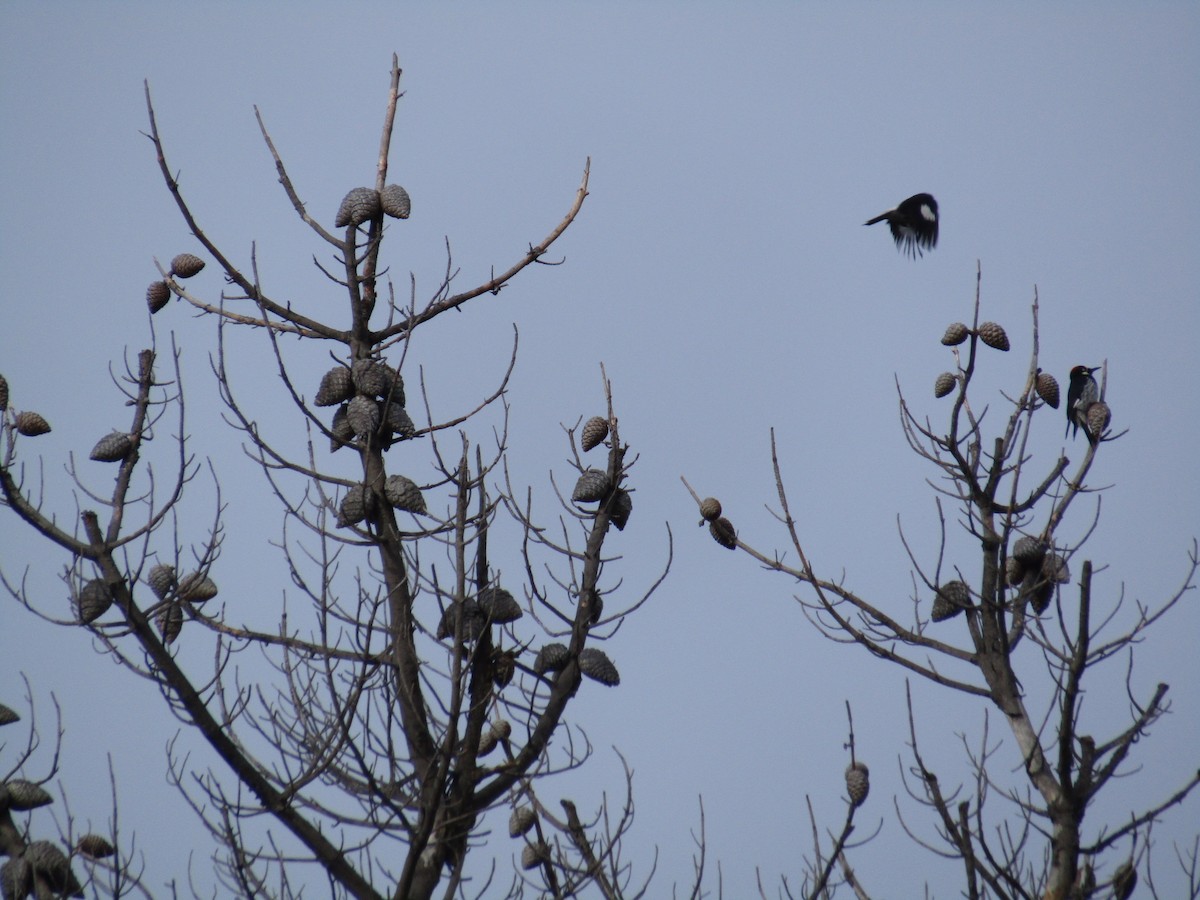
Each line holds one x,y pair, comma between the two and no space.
473,622
1098,417
399,422
395,201
1029,552
395,392
185,265
93,846
591,486
31,424
112,447
993,335
710,509
951,599
376,378
487,742
858,783
161,579
357,207
343,434
551,658
94,601
1047,388
596,665
955,334
52,864
1124,881
170,622
157,295
371,377
499,605
1055,568
403,494
1038,590
944,384
337,386
197,588
356,506
504,667
521,820
1038,585
620,508
363,416
25,795
534,855
3,393
723,533
595,430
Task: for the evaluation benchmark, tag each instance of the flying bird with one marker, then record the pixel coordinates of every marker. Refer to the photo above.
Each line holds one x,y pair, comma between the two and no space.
914,224
1082,393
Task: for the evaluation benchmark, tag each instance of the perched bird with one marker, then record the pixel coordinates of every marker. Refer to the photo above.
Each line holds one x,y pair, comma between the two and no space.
1082,393
914,224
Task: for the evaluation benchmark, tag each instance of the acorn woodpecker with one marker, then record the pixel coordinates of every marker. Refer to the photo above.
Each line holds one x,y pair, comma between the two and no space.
1082,393
914,224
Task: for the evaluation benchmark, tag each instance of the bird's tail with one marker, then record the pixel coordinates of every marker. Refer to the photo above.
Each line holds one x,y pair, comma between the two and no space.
879,218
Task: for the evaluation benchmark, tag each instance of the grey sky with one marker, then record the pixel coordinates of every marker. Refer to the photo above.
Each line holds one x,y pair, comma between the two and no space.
719,270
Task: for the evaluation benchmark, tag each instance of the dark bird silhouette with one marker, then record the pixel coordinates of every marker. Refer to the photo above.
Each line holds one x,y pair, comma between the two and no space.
914,224
1082,393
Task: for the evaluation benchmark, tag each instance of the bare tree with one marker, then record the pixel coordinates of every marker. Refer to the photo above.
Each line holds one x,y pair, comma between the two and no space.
1044,843
447,626
40,866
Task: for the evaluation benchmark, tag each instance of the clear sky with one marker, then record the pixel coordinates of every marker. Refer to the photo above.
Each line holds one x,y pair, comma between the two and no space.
721,272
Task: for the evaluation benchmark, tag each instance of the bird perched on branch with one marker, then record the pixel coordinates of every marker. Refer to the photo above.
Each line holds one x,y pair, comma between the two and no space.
1082,393
914,224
